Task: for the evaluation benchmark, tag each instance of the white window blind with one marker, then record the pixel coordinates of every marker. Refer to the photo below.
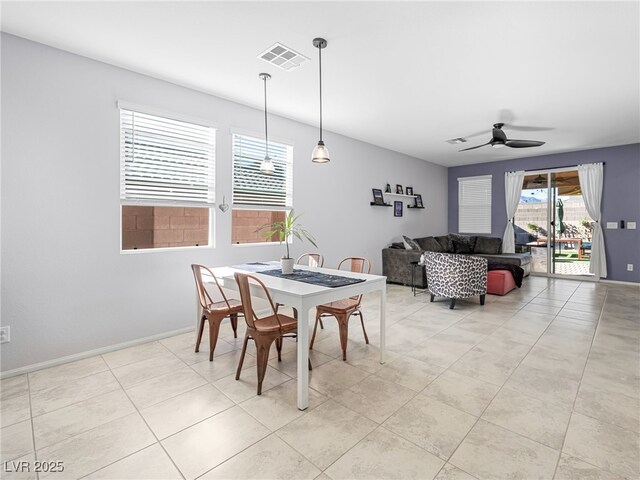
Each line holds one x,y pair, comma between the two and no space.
251,187
165,161
474,204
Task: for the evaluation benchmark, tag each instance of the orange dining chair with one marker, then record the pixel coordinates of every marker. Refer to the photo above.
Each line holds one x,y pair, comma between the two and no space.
214,312
343,309
263,331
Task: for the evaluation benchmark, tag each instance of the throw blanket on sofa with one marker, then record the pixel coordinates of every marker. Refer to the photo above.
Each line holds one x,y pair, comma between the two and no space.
516,271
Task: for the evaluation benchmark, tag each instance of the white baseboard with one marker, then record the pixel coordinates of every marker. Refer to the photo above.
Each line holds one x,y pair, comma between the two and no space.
619,282
92,353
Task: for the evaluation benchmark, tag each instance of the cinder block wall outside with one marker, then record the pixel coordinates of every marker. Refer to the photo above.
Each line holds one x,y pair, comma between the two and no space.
246,222
158,227
574,213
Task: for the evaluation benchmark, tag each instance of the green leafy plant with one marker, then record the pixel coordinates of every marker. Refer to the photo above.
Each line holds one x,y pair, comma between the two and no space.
289,227
533,227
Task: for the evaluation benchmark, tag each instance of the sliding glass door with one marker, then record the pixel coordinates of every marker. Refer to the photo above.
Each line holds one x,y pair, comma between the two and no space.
552,223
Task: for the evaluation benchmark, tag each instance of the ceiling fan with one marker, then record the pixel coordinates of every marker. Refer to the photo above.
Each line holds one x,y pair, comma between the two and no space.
499,140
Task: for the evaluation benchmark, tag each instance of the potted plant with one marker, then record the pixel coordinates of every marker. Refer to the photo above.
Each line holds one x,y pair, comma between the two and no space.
283,230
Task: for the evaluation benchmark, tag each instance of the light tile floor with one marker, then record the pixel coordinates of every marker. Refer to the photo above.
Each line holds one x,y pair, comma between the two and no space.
542,383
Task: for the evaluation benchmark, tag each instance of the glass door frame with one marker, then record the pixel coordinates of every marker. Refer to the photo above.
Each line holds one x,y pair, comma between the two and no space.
551,229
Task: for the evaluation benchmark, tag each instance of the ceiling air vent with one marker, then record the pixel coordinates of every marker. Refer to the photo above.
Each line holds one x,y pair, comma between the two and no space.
283,57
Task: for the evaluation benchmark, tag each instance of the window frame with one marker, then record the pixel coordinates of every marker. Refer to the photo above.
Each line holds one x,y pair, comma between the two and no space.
289,179
153,111
462,228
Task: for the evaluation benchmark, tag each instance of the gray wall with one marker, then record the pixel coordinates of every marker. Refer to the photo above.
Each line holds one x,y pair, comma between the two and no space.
620,198
65,286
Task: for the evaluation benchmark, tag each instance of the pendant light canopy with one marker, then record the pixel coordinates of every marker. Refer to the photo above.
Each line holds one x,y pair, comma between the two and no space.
320,153
266,166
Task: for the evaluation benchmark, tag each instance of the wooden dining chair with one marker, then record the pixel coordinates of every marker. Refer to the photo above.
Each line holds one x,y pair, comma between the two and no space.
263,331
214,312
342,310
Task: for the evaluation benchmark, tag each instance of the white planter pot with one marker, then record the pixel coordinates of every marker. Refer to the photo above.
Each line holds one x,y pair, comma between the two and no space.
287,265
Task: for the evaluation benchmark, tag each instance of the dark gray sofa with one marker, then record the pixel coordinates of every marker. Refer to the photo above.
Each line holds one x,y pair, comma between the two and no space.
396,262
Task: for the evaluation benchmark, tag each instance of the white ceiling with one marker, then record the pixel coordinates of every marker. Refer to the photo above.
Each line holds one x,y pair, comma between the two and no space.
403,75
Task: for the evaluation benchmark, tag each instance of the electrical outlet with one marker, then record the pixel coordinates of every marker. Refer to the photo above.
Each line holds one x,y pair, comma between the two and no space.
629,267
4,334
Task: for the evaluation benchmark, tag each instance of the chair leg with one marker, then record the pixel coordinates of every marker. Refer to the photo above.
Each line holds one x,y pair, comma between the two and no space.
343,326
214,329
315,328
279,348
244,350
452,304
321,324
366,338
200,332
234,324
432,298
310,367
482,299
263,345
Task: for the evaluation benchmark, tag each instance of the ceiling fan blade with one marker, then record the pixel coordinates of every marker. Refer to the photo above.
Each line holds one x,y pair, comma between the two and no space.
473,148
523,143
523,128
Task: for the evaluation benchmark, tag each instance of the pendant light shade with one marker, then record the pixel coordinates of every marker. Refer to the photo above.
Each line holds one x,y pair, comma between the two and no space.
266,166
320,153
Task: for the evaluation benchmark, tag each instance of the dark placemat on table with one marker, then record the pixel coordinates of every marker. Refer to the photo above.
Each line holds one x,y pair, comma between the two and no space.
315,278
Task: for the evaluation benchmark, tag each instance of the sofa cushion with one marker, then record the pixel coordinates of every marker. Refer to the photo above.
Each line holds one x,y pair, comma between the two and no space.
443,240
461,243
488,245
410,243
429,244
399,245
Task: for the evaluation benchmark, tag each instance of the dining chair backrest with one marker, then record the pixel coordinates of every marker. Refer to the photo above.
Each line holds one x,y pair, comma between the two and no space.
203,294
311,259
243,280
356,265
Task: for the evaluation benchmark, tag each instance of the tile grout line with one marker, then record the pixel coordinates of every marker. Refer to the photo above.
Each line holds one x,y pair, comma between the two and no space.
33,432
584,368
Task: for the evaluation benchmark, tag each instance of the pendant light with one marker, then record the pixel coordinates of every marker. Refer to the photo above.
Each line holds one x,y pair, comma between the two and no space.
266,166
320,153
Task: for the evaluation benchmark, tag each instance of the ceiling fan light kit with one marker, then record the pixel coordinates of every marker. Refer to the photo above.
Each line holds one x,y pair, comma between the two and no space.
499,140
320,153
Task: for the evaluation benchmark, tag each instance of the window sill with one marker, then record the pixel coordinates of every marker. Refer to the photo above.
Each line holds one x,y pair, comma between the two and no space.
163,250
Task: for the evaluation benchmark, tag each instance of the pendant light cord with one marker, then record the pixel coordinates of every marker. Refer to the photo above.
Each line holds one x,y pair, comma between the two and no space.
266,137
320,70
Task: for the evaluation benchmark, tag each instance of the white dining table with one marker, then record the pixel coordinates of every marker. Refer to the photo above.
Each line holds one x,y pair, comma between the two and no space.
303,297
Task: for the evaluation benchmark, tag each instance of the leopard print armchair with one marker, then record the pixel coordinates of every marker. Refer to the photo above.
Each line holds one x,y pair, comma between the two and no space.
455,276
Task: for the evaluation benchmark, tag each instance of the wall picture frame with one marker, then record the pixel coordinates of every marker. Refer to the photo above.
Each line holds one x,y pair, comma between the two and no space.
419,201
409,190
399,190
397,209
378,198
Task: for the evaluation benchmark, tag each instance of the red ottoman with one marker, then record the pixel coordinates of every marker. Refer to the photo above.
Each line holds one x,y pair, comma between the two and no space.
500,282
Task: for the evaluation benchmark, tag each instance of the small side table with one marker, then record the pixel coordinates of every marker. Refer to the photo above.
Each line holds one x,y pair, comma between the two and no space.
415,290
